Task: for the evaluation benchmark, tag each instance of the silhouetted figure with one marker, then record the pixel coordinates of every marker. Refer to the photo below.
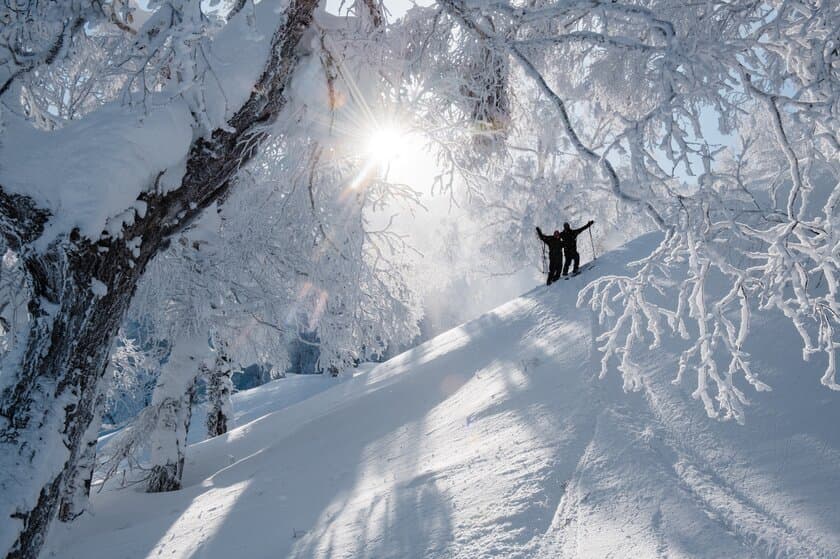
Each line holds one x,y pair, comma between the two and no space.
568,239
555,255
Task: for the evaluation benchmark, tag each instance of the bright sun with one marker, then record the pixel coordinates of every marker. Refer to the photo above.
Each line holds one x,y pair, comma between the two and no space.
399,154
385,145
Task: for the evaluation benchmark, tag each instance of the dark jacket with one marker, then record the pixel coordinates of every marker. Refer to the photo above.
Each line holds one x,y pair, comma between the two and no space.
555,244
568,237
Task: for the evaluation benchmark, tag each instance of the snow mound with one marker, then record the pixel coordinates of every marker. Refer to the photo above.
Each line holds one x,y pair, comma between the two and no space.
496,439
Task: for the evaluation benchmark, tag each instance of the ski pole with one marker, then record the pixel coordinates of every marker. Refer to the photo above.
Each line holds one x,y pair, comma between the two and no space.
544,266
594,256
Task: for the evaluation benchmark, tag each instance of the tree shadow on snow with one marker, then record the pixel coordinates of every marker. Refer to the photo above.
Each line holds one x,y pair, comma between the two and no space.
357,480
353,482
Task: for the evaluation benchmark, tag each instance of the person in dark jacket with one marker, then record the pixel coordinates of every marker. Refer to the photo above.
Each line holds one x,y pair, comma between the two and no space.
555,255
568,239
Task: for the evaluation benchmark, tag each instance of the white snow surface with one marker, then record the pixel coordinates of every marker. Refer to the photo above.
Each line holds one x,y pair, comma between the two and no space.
252,404
496,439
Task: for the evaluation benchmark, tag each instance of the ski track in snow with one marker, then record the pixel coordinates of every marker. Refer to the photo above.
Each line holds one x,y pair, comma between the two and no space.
496,439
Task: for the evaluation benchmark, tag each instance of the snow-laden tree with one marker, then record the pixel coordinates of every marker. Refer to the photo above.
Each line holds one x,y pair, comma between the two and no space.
235,277
219,390
172,402
36,34
131,376
294,244
86,207
648,97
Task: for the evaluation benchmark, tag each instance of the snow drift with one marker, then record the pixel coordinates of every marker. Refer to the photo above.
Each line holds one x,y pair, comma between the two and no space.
496,439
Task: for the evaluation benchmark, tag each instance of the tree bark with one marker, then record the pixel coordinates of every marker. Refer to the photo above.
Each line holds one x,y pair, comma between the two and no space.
219,389
76,492
45,414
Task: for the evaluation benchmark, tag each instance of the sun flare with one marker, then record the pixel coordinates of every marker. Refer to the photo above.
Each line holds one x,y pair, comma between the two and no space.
395,153
387,144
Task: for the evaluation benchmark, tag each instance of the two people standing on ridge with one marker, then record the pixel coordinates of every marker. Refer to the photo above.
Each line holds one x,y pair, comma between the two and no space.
562,246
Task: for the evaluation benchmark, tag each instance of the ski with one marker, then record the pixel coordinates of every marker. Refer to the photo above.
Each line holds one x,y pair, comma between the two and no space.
584,268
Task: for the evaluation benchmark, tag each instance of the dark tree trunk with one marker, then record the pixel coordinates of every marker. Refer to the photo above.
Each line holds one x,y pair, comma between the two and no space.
50,408
76,492
46,413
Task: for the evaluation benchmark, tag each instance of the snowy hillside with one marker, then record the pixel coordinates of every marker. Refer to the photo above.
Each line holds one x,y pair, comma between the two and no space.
496,439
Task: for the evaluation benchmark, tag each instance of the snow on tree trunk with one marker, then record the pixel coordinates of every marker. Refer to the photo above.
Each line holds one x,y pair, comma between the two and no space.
50,408
173,397
76,491
81,289
219,389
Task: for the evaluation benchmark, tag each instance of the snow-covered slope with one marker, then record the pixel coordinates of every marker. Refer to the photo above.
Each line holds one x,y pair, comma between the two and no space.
496,439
